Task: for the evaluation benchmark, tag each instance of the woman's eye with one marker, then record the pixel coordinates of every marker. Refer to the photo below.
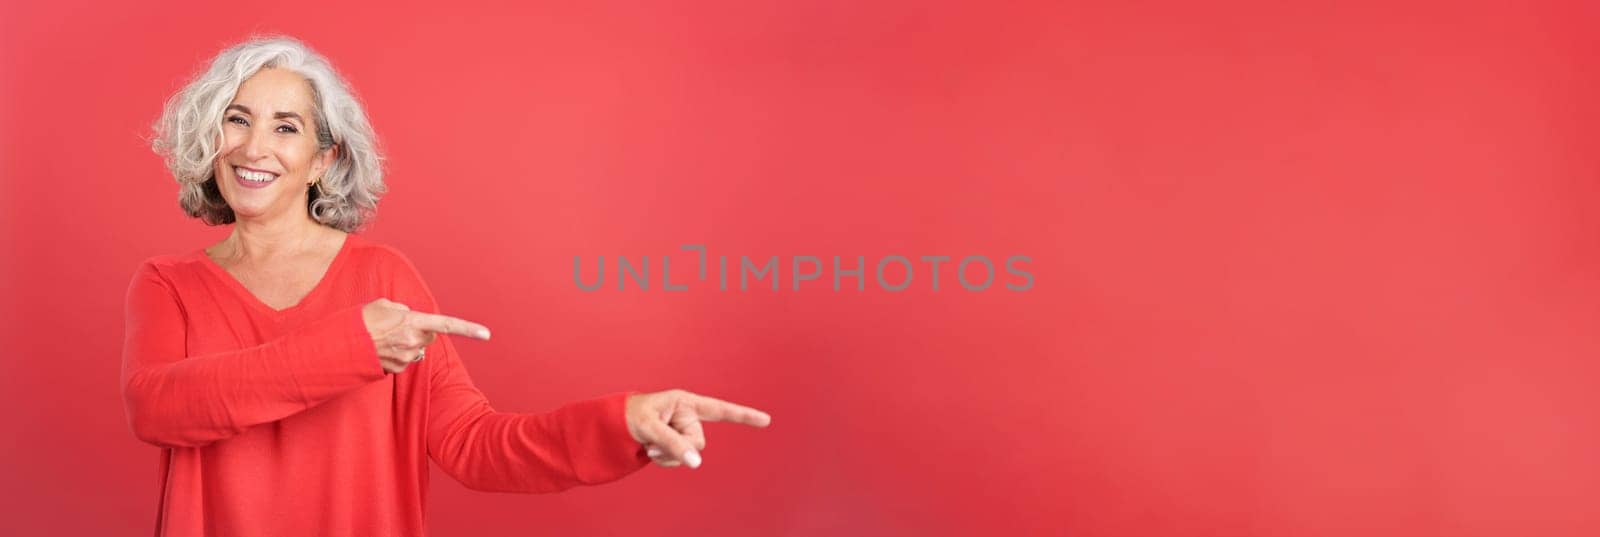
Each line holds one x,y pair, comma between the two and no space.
240,120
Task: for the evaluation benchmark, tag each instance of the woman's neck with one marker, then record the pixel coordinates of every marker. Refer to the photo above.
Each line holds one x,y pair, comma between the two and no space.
253,241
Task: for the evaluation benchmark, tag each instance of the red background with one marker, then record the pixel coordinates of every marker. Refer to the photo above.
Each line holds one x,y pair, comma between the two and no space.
1322,269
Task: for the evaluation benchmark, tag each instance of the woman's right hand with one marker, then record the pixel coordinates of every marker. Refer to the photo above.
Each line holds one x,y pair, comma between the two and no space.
400,334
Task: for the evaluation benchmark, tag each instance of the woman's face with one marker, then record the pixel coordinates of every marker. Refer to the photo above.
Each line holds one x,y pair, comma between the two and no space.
269,146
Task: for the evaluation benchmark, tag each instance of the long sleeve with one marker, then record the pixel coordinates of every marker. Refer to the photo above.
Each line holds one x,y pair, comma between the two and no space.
174,400
581,443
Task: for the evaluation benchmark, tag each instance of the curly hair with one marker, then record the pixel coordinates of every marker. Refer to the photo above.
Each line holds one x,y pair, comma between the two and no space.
189,132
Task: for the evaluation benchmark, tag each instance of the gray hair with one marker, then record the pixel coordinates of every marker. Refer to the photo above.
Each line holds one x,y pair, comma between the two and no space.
190,128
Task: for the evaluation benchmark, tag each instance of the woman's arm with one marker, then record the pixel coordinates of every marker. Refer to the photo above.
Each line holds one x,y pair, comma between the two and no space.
582,443
174,400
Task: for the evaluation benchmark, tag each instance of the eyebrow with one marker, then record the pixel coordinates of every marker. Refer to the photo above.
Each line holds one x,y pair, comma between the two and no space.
278,115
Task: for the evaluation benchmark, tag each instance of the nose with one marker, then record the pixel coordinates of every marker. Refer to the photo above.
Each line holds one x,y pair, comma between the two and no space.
252,145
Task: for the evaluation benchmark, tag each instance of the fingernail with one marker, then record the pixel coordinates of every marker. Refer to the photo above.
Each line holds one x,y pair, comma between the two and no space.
483,334
654,452
692,458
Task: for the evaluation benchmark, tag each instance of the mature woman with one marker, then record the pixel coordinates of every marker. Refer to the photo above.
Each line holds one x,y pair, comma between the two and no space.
283,370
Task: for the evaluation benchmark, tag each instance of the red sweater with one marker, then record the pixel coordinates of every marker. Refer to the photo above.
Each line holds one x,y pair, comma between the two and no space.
283,422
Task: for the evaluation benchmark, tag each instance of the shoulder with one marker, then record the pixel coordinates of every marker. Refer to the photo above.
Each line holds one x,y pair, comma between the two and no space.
169,269
388,264
161,279
378,255
170,261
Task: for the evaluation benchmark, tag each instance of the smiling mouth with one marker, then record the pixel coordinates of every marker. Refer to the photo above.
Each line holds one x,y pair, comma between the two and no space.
254,176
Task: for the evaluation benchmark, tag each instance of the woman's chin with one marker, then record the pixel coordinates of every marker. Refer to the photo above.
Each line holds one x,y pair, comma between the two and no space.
251,205
248,212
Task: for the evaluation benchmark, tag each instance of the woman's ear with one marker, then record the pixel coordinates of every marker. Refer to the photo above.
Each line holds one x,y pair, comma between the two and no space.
326,159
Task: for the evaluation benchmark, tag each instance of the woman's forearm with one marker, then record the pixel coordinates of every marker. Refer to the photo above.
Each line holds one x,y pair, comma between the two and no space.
177,400
581,443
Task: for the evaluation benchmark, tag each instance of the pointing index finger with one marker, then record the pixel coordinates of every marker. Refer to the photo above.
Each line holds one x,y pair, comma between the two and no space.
446,324
713,409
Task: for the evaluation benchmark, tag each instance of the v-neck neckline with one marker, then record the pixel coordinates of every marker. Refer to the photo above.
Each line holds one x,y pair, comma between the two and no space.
255,302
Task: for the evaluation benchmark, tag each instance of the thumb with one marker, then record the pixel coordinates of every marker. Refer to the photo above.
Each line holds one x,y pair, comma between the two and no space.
675,444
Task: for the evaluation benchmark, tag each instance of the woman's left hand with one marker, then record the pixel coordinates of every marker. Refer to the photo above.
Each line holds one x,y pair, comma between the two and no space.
668,423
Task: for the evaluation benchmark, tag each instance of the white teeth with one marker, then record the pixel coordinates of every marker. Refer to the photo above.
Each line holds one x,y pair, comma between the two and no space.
251,175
